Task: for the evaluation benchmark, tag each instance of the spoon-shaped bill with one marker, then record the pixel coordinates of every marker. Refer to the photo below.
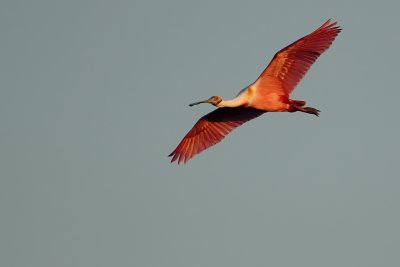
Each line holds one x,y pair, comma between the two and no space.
196,103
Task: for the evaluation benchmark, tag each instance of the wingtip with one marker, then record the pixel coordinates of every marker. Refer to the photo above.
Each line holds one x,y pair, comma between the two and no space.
176,156
328,24
332,25
173,155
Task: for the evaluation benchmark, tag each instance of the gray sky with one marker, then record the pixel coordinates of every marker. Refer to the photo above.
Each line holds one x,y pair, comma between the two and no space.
94,97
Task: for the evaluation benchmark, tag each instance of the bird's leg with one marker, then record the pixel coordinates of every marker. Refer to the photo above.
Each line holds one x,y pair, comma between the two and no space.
310,110
297,102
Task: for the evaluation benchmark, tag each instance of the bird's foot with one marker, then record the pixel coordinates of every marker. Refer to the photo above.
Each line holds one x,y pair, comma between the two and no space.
311,110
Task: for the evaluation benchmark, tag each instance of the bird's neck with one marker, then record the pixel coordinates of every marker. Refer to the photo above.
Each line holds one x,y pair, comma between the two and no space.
231,103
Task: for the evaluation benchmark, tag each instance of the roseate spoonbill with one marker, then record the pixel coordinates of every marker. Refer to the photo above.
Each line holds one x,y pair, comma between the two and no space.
269,93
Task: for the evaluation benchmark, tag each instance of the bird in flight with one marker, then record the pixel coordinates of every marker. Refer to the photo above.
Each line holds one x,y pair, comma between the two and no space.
269,93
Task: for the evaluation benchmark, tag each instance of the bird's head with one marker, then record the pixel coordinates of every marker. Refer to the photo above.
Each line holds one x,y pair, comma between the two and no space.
214,100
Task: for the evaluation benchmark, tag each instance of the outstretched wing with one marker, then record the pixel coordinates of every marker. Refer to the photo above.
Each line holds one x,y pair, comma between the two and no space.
291,63
211,129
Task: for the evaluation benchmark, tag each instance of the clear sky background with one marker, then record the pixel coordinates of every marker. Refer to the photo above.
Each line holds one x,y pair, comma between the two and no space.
94,96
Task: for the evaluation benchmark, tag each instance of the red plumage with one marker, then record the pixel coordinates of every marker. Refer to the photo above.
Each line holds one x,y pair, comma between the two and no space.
211,129
291,63
270,92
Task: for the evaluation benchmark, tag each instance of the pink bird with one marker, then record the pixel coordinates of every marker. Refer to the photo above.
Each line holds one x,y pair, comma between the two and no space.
269,93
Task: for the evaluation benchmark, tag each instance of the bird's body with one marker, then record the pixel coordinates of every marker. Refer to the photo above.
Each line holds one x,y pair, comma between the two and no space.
269,93
273,99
